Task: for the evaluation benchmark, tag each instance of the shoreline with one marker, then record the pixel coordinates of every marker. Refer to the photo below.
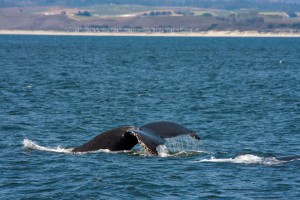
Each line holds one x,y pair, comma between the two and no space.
155,34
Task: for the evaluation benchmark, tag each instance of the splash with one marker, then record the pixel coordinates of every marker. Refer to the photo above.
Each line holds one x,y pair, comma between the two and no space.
246,159
180,146
162,151
31,145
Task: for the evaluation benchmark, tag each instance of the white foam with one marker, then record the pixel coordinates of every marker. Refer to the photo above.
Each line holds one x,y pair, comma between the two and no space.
246,159
28,144
162,151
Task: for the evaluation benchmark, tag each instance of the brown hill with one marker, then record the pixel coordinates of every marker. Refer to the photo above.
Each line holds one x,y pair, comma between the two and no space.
15,19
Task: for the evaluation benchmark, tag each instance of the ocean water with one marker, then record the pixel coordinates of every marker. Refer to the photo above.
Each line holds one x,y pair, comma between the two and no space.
241,95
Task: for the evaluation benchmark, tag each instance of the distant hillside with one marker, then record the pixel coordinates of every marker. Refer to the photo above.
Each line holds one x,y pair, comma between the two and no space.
122,18
260,5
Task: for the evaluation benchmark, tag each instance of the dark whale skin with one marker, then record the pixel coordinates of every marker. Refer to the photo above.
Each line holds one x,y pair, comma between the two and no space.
149,136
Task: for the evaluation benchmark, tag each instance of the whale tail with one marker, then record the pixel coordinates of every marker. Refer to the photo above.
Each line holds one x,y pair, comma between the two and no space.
150,136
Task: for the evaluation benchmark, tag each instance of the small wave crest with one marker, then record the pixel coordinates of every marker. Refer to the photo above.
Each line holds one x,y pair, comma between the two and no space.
31,145
246,159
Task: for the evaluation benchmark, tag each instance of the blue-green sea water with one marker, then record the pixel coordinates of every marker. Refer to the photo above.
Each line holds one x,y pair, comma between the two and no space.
241,95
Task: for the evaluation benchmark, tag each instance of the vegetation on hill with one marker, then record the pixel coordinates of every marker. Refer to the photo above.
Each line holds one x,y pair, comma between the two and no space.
83,14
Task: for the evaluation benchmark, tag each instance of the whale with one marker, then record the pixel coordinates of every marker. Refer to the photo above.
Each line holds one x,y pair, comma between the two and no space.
149,136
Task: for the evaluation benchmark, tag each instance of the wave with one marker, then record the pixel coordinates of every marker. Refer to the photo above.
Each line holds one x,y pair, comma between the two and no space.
246,159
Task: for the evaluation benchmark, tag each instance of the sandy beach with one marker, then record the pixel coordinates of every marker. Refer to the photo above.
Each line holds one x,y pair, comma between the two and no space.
178,34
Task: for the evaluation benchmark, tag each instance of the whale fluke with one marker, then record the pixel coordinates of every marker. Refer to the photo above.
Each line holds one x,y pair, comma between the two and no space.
150,136
169,129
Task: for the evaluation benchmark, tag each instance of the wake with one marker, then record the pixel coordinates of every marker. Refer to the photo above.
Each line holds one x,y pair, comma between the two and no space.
31,145
247,159
181,146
